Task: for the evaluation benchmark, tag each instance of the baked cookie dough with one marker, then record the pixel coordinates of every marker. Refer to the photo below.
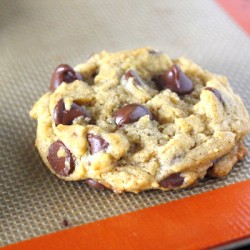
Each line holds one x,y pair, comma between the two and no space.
137,120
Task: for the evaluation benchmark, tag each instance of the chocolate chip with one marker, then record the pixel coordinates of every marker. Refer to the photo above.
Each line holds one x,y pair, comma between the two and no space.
175,80
94,184
66,117
132,73
62,164
216,92
96,143
131,113
63,73
65,223
172,181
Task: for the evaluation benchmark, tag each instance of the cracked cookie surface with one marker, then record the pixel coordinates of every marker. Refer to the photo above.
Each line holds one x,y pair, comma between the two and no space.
137,120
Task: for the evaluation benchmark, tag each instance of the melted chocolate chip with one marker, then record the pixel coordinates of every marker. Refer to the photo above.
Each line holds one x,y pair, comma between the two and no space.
172,181
131,113
175,80
62,164
63,73
216,92
132,73
96,143
94,184
66,117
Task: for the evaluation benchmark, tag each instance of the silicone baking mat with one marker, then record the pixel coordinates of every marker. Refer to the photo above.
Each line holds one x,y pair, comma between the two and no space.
36,36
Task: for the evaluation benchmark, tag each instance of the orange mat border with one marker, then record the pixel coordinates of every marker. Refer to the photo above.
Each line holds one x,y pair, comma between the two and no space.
239,10
195,222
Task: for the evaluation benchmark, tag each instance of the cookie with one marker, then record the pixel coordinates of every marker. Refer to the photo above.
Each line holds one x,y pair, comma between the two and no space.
138,120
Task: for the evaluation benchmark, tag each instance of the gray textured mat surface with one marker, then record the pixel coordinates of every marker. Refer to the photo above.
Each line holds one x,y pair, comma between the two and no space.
35,36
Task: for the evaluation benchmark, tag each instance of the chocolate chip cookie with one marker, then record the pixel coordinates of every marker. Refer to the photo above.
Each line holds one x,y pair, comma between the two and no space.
138,120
